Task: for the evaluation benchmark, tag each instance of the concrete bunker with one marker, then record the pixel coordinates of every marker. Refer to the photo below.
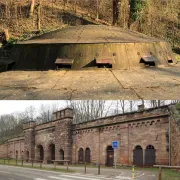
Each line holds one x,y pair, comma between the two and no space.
91,46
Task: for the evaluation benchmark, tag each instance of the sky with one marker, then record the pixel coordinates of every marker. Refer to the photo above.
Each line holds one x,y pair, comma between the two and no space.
8,107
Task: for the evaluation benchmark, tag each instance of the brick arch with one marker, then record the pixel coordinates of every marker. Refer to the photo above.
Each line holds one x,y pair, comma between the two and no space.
61,154
81,154
51,150
50,142
40,151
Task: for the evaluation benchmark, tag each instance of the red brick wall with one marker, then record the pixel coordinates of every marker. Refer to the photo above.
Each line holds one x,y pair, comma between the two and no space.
3,151
175,143
15,148
147,128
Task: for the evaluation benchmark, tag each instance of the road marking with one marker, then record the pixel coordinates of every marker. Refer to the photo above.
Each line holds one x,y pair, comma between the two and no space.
139,176
123,177
53,177
5,172
39,179
80,177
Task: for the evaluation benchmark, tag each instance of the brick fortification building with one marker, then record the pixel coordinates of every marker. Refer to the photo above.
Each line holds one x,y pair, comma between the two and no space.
145,137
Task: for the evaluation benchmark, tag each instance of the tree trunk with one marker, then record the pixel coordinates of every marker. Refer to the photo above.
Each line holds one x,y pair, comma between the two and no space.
115,11
32,8
39,16
75,5
97,9
6,32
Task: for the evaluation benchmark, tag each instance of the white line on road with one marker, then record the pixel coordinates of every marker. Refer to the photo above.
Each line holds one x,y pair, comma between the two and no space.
53,177
5,172
85,178
123,177
39,179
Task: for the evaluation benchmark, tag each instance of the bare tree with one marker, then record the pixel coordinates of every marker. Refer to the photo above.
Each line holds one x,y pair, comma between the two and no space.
32,5
88,109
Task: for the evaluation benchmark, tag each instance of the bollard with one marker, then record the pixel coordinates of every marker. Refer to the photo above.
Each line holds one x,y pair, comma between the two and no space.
160,173
4,161
99,167
40,164
132,172
16,162
8,161
22,162
67,166
85,168
32,163
54,165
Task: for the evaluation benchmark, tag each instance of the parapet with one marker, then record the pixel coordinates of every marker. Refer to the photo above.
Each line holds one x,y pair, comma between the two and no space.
29,125
65,113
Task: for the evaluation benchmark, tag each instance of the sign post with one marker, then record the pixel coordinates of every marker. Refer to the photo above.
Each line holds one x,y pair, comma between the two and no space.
115,145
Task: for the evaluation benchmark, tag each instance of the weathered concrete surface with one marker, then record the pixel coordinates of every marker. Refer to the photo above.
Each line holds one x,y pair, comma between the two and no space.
148,83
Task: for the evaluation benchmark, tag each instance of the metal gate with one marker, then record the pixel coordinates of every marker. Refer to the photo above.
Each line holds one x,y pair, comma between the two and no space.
88,155
138,156
150,156
110,156
81,156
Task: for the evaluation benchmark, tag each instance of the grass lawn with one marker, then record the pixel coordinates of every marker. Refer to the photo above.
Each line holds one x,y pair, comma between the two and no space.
170,174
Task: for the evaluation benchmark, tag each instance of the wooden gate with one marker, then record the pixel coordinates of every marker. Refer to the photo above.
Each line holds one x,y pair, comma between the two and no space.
138,156
88,155
110,156
150,156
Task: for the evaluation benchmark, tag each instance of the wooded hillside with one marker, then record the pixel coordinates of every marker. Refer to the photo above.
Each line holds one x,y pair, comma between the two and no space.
158,18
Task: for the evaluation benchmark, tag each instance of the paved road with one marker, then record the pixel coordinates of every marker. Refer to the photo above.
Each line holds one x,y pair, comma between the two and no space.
147,83
18,173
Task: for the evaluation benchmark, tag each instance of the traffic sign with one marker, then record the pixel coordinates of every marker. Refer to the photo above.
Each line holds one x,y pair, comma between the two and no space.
115,144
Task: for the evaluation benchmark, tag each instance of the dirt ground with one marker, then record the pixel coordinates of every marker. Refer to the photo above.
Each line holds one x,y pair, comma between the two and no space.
148,83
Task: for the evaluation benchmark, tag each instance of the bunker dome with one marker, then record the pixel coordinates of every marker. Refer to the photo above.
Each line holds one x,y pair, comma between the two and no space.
85,46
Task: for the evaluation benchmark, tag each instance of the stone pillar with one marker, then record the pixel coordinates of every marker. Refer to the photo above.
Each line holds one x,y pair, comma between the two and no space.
29,141
63,133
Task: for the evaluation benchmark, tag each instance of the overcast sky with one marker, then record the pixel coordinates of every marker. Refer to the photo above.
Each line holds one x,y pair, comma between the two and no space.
7,107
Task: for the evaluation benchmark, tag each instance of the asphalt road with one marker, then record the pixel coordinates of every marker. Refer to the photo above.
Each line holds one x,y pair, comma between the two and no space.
147,83
18,173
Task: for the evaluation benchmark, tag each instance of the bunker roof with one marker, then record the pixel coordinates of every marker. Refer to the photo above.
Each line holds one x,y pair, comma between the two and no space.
87,34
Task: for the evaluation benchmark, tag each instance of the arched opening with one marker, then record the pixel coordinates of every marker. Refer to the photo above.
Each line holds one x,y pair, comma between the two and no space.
51,153
16,154
27,156
88,155
40,152
61,154
81,155
22,154
150,156
138,156
110,156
